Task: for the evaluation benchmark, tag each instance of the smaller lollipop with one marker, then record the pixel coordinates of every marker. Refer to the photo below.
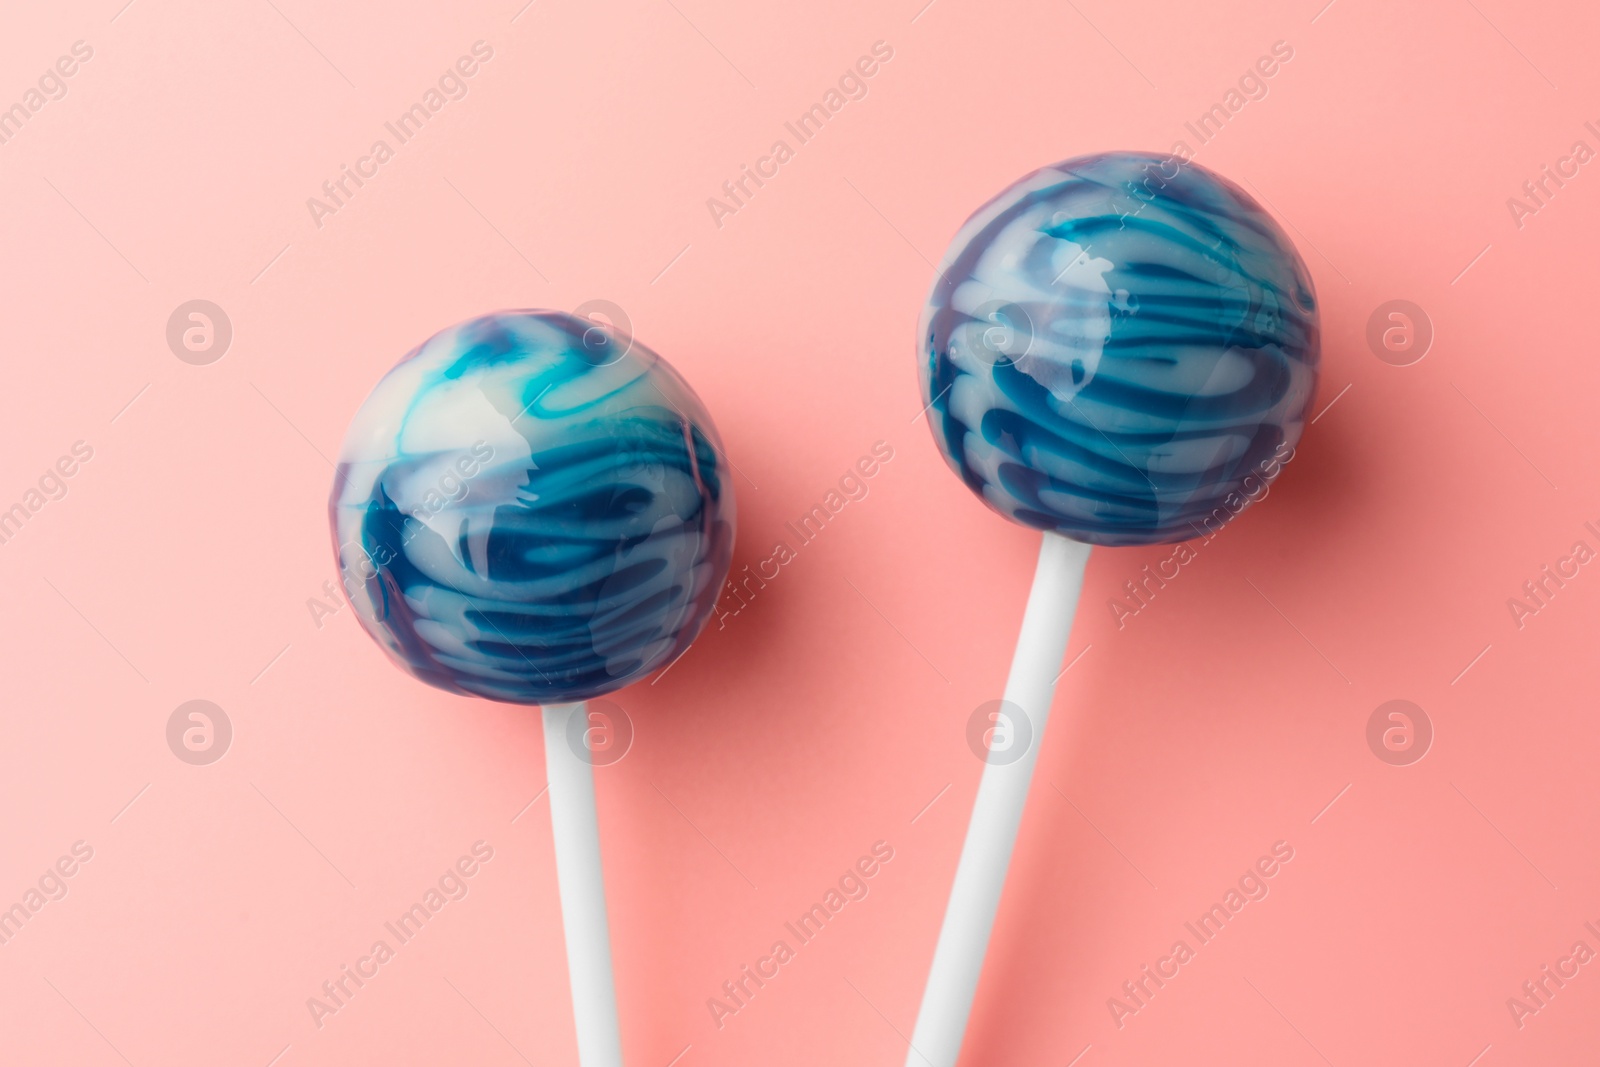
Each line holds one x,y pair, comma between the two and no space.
532,508
1119,350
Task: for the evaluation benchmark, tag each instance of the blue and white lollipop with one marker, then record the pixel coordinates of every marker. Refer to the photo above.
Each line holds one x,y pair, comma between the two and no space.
1116,345
535,508
1120,349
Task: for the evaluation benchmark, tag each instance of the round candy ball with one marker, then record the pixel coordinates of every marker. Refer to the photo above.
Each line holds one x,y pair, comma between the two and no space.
1120,348
532,508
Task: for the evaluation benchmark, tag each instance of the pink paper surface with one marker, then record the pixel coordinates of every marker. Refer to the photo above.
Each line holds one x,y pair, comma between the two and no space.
185,559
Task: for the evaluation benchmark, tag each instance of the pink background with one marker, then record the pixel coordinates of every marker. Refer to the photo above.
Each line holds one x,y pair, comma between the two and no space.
1228,714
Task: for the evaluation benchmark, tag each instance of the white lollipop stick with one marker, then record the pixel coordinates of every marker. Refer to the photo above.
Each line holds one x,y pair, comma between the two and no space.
997,811
583,891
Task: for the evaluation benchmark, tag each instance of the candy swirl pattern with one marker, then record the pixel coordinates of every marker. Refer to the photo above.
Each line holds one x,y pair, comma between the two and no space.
1118,348
533,508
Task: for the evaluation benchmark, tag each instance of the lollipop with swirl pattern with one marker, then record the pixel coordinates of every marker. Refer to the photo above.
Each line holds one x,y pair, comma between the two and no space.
532,507
1120,349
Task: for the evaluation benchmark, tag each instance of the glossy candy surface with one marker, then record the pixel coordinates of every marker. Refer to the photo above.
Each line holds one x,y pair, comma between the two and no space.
1120,348
532,508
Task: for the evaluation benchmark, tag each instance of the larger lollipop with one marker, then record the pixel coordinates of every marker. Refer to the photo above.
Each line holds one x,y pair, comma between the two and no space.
533,508
1120,349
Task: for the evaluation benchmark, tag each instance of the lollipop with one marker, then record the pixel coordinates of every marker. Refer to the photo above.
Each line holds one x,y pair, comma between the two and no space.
1120,349
533,508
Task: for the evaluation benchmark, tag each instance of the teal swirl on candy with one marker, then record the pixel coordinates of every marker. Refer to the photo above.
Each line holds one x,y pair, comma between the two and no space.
1120,348
532,508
